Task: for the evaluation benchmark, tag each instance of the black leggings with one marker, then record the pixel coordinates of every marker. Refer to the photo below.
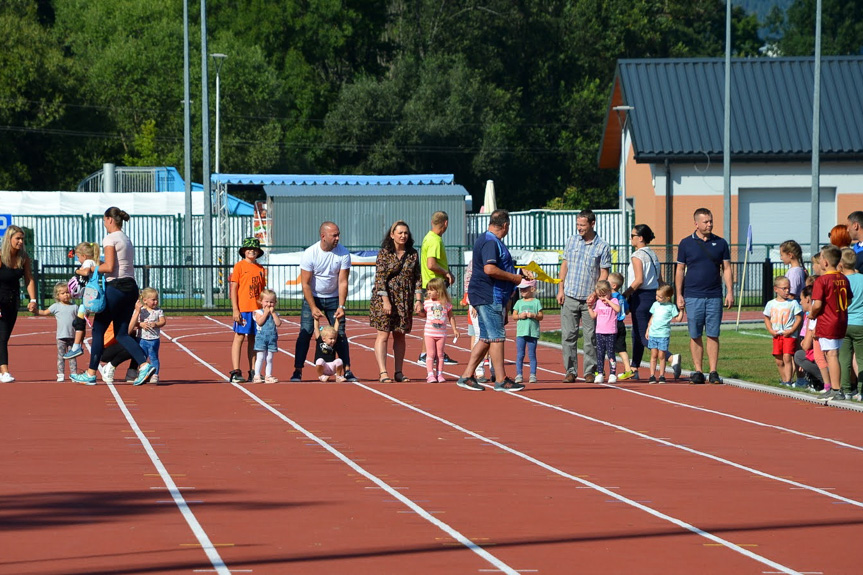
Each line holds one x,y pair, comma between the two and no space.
117,354
7,324
119,306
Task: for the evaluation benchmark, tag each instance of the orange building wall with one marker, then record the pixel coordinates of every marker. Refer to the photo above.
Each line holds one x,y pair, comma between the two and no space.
845,204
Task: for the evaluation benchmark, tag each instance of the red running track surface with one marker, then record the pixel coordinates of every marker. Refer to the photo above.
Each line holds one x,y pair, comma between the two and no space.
196,475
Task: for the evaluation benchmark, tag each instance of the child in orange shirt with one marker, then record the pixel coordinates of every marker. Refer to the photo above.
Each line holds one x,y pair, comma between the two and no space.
248,280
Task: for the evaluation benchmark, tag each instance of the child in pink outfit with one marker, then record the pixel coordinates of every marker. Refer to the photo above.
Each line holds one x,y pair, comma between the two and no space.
438,311
604,311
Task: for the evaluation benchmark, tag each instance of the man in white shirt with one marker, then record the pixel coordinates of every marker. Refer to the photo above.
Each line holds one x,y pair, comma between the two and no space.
324,270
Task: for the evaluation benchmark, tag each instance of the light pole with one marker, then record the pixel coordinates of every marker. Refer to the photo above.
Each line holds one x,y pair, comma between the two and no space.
217,61
624,236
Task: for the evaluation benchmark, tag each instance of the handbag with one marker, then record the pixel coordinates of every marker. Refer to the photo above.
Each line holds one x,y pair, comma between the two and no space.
94,294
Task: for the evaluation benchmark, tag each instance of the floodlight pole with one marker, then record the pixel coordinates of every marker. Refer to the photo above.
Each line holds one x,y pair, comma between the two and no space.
208,198
726,147
816,137
622,117
218,59
187,154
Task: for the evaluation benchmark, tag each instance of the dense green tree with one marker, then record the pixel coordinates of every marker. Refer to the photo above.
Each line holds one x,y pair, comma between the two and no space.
793,32
34,81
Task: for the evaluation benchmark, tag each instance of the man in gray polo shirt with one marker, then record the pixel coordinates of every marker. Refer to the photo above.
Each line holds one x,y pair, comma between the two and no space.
586,260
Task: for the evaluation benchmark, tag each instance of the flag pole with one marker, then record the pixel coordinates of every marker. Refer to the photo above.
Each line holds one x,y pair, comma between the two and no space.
743,279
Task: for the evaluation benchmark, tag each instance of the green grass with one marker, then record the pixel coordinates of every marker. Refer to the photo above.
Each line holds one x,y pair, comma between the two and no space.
742,355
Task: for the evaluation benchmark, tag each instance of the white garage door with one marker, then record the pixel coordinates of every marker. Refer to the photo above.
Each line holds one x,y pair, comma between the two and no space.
781,214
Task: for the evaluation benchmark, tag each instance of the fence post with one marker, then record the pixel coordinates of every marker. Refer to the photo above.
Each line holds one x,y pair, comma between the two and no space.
766,279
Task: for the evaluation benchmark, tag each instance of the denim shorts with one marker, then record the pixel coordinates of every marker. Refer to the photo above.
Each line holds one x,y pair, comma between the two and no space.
703,314
491,322
660,343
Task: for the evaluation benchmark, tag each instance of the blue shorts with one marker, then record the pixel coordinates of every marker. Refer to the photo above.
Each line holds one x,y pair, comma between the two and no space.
660,343
703,314
250,327
492,318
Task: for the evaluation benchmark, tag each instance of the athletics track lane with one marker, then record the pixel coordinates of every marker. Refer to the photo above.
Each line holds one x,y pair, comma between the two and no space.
528,538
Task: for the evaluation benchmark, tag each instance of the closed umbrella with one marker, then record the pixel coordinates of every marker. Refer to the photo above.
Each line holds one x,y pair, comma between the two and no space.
490,203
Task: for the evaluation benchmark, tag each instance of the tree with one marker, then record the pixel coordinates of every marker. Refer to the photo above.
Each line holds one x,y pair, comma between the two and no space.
793,32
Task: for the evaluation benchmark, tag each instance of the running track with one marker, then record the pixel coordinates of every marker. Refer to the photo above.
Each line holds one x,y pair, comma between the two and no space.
201,476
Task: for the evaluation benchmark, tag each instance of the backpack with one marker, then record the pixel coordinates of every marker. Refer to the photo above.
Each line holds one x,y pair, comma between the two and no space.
94,294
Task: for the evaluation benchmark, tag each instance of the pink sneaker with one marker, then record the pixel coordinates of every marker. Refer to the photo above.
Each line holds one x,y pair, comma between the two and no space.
441,378
324,377
431,378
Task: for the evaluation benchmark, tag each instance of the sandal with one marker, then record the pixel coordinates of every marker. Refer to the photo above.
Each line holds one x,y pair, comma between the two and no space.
385,378
400,376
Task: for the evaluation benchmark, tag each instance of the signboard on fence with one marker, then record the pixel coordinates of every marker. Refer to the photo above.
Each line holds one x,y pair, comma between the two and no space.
5,222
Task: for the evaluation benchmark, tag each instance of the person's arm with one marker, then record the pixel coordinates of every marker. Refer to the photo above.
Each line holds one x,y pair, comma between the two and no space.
336,324
110,263
235,309
806,344
562,275
538,316
261,316
637,276
30,285
612,303
42,312
603,274
134,321
344,273
591,309
516,315
769,326
496,273
306,283
452,324
816,308
798,320
317,326
162,320
678,285
729,283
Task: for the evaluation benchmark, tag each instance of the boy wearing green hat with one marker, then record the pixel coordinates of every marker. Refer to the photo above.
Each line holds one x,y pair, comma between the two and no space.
248,279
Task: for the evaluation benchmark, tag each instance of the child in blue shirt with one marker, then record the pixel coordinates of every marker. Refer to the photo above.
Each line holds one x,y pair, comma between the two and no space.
616,281
662,313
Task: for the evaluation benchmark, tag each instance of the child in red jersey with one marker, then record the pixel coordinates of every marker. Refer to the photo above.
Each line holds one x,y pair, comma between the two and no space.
831,294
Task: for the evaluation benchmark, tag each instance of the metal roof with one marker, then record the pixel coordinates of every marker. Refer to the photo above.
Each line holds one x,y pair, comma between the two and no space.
317,180
678,109
330,190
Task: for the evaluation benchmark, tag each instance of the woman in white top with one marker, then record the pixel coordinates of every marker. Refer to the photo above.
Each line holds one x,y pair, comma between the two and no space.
121,293
644,277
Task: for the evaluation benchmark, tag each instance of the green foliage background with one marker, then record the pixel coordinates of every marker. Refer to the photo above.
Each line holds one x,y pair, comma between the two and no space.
510,90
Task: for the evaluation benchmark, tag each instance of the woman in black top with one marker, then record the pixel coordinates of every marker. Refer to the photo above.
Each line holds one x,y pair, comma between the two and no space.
14,265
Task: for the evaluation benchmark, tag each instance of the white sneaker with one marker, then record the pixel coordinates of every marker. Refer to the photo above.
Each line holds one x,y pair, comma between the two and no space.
532,379
479,372
107,372
519,378
6,377
612,378
597,378
61,377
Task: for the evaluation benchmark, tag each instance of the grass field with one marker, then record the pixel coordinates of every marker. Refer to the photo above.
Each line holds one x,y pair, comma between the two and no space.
744,354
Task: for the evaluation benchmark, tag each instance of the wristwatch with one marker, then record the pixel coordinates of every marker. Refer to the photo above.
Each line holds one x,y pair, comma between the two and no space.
342,307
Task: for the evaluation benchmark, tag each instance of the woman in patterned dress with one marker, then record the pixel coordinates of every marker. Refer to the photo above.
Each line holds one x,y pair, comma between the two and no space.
397,296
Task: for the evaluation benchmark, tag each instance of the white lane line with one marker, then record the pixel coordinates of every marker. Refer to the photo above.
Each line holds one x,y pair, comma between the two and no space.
736,417
410,504
582,481
183,505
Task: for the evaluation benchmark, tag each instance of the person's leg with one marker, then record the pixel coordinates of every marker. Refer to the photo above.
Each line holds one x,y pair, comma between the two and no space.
640,303
304,338
531,353
654,354
122,305
808,366
569,335
270,356
780,365
713,353
846,353
712,327
399,347
250,351
329,307
63,346
259,363
520,344
832,356
588,326
8,315
856,332
495,351
430,355
661,354
609,353
695,310
477,354
101,321
600,355
439,344
381,340
236,350
151,349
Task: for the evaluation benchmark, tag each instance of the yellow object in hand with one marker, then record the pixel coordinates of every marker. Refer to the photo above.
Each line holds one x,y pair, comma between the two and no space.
539,273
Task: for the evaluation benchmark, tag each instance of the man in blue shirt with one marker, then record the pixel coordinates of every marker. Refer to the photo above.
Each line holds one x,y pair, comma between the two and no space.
492,283
855,230
703,265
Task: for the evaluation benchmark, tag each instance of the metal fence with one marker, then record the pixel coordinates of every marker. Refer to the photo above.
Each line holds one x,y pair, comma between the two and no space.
182,287
165,263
